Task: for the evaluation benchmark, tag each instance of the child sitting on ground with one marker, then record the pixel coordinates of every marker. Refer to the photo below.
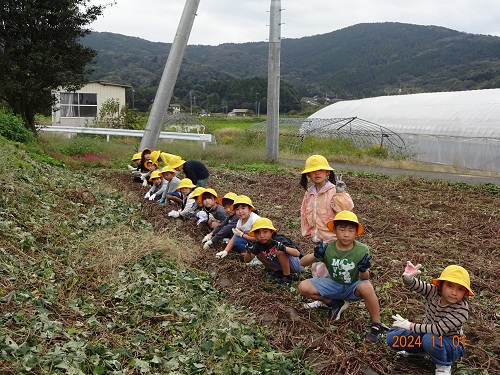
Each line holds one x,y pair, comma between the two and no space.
243,208
216,213
274,250
188,204
347,261
440,335
225,229
170,192
158,186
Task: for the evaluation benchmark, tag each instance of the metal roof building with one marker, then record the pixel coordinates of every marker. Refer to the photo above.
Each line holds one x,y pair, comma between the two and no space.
460,129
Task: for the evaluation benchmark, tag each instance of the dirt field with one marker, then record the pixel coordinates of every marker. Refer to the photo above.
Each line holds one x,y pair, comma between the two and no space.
405,218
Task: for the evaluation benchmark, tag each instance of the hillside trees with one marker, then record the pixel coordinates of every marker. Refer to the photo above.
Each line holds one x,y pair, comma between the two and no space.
40,51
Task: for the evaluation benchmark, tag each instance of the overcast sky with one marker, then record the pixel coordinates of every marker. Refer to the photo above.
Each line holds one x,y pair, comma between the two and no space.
240,21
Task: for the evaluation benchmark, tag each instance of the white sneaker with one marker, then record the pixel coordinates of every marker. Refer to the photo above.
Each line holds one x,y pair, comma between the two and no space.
254,262
314,305
443,370
406,354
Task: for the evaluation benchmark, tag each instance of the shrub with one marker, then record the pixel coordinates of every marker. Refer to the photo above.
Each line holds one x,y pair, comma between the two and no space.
12,128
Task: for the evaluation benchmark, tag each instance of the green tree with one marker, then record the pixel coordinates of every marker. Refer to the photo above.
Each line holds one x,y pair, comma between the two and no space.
40,51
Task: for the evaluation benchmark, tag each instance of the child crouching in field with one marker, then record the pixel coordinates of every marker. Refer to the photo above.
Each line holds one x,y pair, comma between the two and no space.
276,251
440,335
188,204
347,261
225,229
243,207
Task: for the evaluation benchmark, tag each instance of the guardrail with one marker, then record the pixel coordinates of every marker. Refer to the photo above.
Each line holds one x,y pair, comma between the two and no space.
204,138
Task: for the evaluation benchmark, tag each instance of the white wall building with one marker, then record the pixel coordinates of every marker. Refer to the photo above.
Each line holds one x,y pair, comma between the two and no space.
81,107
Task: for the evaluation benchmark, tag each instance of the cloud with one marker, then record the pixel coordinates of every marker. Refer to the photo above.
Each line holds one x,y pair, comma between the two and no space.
223,21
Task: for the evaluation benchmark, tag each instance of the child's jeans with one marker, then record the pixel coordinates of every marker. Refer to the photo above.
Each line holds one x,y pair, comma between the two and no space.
443,350
240,244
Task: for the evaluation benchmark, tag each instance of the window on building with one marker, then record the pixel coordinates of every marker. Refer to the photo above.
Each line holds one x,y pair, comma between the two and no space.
75,104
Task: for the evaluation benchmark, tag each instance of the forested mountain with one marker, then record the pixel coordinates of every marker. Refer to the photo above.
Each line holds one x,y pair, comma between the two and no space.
358,61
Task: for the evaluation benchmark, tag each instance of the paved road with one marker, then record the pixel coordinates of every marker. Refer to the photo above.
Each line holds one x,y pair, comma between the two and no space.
452,177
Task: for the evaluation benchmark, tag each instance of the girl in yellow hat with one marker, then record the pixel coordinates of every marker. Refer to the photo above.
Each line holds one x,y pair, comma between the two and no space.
440,335
320,203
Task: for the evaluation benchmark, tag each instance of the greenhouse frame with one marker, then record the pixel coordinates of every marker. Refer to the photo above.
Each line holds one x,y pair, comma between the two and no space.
459,129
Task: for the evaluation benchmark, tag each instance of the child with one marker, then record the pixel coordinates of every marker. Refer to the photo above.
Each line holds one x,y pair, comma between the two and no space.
159,185
136,170
320,204
225,229
193,169
188,203
274,250
440,335
243,208
172,183
216,213
348,262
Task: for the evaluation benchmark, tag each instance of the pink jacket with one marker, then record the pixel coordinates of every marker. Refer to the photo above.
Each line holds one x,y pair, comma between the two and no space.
318,209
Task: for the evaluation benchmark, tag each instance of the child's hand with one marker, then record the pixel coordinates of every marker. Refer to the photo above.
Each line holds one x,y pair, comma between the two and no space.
152,197
221,254
411,270
206,238
279,246
401,322
207,245
364,263
319,250
173,213
238,232
147,195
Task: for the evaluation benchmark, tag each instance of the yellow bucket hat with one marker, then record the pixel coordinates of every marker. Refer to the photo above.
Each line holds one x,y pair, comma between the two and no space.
155,155
229,196
242,199
154,174
197,192
316,163
176,162
210,191
346,216
167,169
455,274
186,183
262,223
136,156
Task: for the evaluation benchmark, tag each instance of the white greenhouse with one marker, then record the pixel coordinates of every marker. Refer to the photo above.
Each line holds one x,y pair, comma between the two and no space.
460,129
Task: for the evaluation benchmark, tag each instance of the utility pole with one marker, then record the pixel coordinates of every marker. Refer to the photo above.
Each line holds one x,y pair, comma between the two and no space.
273,81
169,76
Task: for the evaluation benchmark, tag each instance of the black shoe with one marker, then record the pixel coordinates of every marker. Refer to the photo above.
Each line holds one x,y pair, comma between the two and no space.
276,275
285,281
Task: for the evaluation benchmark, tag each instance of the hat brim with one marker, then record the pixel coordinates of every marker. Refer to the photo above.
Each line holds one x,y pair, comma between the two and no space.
359,231
307,170
469,291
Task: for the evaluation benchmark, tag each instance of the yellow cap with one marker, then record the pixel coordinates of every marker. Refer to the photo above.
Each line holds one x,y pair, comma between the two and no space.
197,192
210,191
155,174
186,183
154,156
229,196
316,163
346,216
176,162
455,274
167,169
261,223
242,199
136,156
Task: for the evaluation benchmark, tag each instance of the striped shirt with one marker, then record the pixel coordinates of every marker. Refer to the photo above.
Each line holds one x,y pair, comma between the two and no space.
439,320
